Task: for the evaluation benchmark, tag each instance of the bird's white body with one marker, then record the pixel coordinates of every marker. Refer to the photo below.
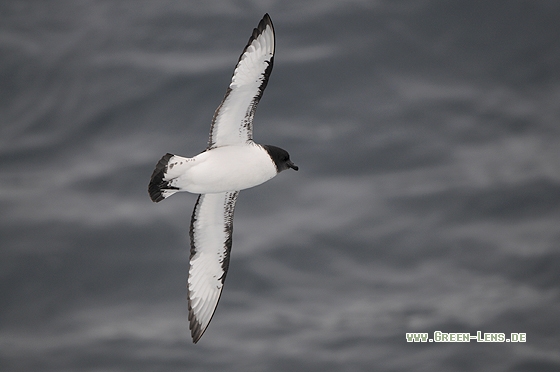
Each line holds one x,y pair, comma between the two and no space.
228,168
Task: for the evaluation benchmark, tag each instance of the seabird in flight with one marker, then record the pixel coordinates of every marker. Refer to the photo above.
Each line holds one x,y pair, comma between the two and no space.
231,162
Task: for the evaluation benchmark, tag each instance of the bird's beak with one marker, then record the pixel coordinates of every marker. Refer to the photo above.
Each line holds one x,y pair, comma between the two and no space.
292,165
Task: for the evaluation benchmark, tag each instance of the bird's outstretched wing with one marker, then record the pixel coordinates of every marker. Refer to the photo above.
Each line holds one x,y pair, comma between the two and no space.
211,233
233,120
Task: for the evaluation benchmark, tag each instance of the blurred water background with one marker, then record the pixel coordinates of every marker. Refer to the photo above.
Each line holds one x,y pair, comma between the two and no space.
428,139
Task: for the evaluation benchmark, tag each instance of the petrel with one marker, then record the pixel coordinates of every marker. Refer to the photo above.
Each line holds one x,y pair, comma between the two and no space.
231,162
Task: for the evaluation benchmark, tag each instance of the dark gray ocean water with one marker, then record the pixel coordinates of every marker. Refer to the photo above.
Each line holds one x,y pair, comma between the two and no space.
428,198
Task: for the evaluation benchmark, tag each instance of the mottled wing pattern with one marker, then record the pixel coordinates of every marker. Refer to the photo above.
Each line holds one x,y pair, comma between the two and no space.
233,120
211,234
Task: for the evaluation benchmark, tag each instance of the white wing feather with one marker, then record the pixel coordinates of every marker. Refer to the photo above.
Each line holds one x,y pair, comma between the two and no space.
233,120
211,234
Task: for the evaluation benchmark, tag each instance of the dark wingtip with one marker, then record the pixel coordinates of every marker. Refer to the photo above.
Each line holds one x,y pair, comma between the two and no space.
196,329
266,20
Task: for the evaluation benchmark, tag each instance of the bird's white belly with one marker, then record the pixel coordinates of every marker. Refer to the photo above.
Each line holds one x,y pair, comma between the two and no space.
227,168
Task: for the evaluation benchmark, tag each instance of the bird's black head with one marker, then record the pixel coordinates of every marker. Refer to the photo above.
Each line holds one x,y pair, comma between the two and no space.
280,157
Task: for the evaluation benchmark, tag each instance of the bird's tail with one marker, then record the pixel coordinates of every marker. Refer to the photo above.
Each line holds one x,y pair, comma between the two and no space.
167,169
